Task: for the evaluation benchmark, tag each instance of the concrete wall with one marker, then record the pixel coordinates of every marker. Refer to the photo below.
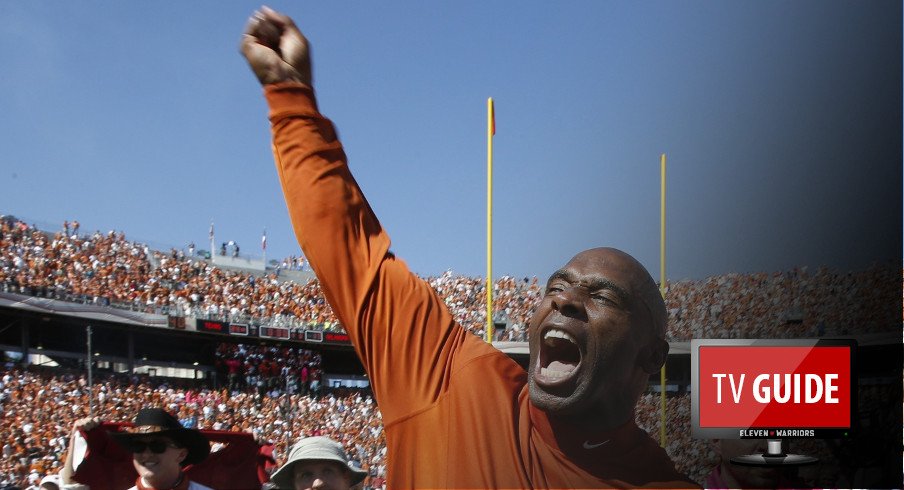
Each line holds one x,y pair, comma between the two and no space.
237,262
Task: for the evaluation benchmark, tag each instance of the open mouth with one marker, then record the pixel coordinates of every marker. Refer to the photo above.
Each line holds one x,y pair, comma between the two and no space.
559,357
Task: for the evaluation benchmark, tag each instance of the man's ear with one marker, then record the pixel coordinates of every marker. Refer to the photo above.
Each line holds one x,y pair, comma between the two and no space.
653,356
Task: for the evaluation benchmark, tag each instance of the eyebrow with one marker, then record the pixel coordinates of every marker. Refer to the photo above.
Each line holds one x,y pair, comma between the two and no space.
594,284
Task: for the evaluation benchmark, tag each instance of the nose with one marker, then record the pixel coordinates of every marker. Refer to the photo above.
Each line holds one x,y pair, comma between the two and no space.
570,302
318,483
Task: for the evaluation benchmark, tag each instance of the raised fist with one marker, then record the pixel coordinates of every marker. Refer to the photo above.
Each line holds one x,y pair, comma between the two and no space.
275,49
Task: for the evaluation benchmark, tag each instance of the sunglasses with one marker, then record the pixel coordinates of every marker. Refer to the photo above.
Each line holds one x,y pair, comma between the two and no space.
156,446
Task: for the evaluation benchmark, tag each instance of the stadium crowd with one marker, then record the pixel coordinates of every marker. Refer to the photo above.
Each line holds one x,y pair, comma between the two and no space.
796,303
269,370
39,406
275,391
108,269
292,263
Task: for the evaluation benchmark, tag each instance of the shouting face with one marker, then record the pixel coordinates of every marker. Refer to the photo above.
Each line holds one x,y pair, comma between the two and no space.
595,339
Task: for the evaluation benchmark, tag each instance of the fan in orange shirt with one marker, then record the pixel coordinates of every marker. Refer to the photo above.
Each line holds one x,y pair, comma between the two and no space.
458,413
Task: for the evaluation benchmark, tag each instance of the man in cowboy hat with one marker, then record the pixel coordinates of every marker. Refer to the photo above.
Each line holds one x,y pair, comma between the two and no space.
160,448
317,462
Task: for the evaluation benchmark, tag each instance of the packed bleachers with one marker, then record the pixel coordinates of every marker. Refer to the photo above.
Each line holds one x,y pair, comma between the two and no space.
108,269
292,263
273,391
39,407
796,303
269,370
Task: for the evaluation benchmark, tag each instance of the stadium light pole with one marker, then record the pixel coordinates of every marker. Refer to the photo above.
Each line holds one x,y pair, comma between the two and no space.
90,379
288,414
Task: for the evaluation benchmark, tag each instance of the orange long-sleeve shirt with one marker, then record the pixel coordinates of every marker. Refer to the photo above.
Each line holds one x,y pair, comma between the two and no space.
456,410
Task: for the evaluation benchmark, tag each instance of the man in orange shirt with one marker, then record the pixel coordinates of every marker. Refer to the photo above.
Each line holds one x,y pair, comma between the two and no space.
457,412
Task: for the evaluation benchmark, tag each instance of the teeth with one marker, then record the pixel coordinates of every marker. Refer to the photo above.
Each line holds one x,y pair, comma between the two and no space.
559,334
552,373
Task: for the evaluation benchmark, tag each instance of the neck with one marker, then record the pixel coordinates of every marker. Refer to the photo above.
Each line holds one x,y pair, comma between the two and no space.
596,423
604,418
587,426
574,432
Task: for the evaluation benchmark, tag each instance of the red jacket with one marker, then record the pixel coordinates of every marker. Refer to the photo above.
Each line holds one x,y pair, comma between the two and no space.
241,465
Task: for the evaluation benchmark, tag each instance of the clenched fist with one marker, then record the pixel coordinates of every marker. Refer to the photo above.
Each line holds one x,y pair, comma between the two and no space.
275,49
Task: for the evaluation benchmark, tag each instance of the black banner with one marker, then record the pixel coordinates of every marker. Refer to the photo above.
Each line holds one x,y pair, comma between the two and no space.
274,333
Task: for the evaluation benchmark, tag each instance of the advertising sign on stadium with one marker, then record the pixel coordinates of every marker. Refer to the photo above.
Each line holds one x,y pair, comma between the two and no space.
177,322
339,338
238,329
274,332
329,337
212,326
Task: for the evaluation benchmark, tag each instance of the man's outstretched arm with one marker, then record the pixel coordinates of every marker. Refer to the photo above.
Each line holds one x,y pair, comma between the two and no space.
401,330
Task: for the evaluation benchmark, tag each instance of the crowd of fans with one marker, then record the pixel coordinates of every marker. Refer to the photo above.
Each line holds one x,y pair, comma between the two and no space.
39,407
292,263
275,392
796,303
513,302
199,289
269,370
99,266
108,269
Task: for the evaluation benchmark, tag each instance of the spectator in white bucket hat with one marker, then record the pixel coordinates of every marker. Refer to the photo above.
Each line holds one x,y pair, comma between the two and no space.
317,462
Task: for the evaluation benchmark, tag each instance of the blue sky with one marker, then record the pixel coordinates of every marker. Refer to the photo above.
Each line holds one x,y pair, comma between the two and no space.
781,122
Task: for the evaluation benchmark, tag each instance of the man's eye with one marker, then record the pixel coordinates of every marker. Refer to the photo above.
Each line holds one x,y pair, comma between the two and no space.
601,298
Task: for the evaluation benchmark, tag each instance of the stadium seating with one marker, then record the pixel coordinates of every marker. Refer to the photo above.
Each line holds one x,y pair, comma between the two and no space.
109,270
40,405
